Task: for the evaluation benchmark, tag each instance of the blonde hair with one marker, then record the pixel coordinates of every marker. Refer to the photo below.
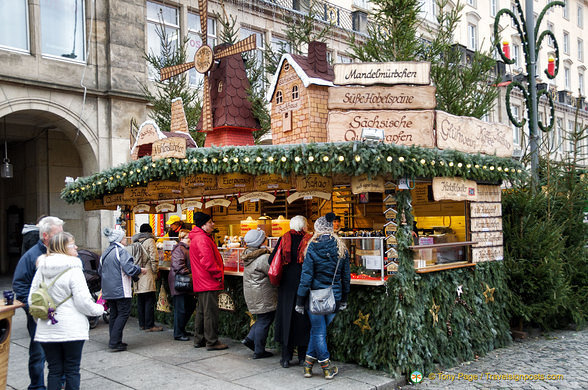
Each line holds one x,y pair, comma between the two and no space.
183,233
58,243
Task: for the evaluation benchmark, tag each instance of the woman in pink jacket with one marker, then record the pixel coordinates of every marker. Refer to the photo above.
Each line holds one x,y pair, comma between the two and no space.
208,278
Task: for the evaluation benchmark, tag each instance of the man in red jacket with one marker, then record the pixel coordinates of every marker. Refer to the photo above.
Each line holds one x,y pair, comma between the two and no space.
208,278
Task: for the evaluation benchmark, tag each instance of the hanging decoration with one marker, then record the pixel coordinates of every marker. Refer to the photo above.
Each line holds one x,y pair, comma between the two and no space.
251,318
162,301
489,294
434,310
363,322
225,302
459,300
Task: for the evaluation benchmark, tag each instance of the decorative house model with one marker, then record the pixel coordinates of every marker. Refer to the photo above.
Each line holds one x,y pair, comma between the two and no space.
299,96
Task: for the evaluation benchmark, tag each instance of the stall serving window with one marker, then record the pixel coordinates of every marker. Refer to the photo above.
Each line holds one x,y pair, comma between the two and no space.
441,237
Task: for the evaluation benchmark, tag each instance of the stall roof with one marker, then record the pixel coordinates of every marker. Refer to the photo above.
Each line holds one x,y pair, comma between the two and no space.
346,158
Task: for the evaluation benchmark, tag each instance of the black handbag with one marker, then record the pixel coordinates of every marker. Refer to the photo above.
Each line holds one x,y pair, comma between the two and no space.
183,283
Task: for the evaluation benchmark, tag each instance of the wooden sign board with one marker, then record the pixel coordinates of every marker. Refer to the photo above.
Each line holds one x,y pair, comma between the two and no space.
472,135
148,133
400,127
314,182
308,195
191,205
97,204
138,194
288,106
165,208
493,253
454,188
486,224
399,97
369,73
203,180
165,189
143,208
240,181
115,200
217,202
172,147
485,209
361,184
256,197
489,193
272,182
487,239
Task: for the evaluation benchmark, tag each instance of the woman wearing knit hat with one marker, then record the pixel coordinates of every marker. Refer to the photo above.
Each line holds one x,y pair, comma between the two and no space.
116,269
326,264
208,275
260,295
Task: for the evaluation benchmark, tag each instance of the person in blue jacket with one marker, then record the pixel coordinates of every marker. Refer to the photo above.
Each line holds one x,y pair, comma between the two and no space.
117,269
326,261
21,284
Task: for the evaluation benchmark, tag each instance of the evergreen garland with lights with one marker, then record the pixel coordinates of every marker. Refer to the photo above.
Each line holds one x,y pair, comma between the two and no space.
349,158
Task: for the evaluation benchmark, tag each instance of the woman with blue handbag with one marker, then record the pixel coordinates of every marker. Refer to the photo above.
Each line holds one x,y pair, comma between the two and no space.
323,290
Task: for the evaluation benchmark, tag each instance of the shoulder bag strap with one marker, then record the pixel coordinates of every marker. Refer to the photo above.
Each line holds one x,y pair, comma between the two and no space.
53,282
335,274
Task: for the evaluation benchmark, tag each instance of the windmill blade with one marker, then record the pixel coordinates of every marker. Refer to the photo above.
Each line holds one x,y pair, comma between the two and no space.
246,44
206,108
203,9
170,71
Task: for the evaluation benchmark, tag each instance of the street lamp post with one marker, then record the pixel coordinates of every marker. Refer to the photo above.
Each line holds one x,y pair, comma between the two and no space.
531,43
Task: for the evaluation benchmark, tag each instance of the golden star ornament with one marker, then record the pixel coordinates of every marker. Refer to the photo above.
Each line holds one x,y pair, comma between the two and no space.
363,322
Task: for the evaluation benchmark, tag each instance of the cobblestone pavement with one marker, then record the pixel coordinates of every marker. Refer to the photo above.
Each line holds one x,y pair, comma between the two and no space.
555,360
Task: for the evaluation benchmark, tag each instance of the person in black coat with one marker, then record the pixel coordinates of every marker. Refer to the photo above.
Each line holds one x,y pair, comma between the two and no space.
291,328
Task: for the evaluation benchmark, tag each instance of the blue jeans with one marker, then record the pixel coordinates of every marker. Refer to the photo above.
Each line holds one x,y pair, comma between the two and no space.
258,332
184,306
63,359
317,344
36,357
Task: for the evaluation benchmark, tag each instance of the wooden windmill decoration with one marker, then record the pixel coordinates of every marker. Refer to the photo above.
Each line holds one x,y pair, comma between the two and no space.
204,60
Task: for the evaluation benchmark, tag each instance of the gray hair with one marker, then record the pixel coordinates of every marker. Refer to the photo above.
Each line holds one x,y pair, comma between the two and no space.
298,223
46,224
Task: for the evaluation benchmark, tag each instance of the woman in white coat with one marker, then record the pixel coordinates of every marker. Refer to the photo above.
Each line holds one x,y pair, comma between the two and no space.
63,340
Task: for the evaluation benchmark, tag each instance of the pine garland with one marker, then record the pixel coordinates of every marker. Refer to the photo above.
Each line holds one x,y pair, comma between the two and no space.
348,158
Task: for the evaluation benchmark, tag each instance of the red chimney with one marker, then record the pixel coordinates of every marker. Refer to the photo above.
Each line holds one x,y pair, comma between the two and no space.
317,56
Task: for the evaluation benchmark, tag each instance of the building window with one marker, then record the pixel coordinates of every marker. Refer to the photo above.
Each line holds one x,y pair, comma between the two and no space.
516,55
516,132
570,138
556,135
258,54
279,97
581,83
566,42
14,26
161,16
493,7
549,39
580,50
472,3
195,41
295,92
280,46
580,16
472,37
341,59
428,10
566,9
63,29
567,80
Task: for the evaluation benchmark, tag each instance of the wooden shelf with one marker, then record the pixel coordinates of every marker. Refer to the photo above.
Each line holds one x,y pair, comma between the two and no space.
444,245
234,273
363,282
443,267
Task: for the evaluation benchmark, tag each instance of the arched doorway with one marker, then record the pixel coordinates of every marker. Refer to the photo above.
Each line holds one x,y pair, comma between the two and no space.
44,147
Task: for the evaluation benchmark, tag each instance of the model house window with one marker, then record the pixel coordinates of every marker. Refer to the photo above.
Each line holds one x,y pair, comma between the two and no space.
566,42
160,17
279,97
472,37
295,92
580,50
63,29
567,80
14,26
580,16
195,41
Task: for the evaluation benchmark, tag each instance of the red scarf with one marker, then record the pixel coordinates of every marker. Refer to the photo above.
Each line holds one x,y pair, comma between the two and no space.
286,244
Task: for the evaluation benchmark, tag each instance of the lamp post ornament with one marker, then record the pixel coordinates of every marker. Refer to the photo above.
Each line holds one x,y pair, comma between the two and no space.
531,41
